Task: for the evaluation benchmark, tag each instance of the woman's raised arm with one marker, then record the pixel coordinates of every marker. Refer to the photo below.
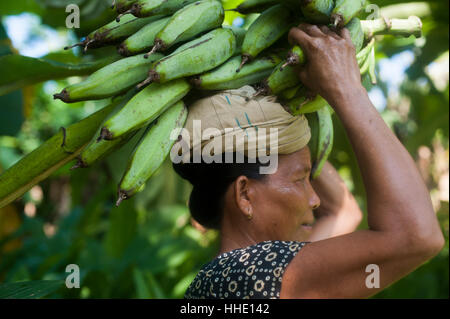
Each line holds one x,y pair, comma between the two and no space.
403,229
338,213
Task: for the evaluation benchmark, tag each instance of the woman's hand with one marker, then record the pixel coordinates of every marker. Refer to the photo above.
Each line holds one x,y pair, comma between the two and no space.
339,212
323,48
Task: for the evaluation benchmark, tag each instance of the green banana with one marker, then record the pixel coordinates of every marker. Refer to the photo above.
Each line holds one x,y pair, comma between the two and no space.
372,65
122,5
279,80
225,76
142,40
317,11
303,105
188,22
254,6
356,33
325,140
110,80
113,32
147,8
144,107
346,10
364,53
290,93
152,150
95,150
296,55
267,29
313,123
239,33
195,57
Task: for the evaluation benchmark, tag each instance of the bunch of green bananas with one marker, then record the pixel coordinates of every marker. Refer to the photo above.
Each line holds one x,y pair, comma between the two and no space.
192,50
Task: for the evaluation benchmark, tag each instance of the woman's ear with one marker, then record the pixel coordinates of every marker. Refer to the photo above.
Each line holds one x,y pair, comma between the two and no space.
242,196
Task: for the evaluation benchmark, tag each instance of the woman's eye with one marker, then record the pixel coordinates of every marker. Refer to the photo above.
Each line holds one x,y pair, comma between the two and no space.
303,179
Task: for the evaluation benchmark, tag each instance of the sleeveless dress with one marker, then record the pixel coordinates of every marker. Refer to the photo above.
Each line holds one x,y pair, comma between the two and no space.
254,272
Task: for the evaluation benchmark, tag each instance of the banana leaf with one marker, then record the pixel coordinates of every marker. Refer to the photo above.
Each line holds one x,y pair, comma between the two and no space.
19,71
29,289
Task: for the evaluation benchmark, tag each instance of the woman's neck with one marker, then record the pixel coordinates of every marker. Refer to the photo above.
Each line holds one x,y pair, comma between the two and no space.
234,237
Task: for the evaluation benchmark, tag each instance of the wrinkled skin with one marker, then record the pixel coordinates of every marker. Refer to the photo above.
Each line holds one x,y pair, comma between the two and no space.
281,204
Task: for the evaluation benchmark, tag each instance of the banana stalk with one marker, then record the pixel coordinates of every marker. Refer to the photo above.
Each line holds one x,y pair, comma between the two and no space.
395,27
50,156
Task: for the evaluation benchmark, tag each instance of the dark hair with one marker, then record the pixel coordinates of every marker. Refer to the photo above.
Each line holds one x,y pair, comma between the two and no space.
210,182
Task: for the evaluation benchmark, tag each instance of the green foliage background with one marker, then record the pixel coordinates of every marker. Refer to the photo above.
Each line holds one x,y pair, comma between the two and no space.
147,247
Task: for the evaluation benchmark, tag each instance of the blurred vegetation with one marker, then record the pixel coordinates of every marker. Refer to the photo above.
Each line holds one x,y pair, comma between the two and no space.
147,248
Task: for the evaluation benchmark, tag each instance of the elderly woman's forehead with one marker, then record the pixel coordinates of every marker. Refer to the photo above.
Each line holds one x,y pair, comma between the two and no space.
296,161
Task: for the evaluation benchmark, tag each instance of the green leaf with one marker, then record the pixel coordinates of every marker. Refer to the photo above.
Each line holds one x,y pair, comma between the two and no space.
19,71
29,289
122,229
20,6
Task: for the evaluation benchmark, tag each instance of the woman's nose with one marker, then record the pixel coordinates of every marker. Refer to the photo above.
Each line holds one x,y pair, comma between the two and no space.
314,200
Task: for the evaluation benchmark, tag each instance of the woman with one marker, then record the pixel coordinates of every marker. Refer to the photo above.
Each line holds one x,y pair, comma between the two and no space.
270,245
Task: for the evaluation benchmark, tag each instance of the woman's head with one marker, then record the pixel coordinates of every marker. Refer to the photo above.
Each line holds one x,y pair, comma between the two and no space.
275,206
242,197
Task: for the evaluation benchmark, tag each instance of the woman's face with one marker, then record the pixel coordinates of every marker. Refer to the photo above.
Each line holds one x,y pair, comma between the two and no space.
283,202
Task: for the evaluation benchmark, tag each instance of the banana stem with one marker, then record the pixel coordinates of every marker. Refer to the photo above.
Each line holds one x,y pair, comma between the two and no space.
396,27
78,164
122,14
156,47
105,134
245,59
122,195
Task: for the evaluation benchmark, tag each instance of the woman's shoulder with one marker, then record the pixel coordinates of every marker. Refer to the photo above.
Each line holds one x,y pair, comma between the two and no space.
254,272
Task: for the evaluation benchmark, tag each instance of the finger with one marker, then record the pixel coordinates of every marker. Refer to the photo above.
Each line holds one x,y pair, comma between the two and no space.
303,76
297,36
345,34
329,32
311,30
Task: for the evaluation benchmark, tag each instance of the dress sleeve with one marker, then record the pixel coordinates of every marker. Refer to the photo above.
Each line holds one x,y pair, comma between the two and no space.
254,272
